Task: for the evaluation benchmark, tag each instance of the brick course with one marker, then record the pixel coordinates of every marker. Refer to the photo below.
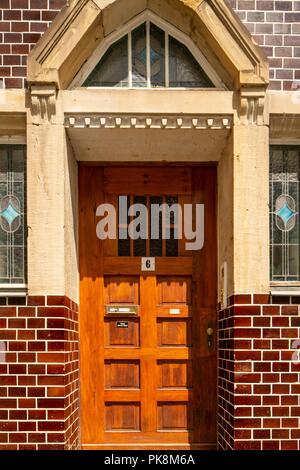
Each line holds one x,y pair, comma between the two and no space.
259,392
275,25
39,374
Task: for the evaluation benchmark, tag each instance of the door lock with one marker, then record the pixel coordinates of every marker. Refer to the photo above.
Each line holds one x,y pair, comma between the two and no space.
209,333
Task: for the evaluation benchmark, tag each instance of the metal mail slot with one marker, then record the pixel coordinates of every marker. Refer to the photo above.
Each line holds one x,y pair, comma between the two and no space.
121,310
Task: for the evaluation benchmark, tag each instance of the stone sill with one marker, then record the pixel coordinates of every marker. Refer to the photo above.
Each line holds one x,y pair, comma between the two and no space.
284,288
17,290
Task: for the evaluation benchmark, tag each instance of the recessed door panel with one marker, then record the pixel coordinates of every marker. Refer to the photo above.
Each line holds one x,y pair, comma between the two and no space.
174,332
174,374
121,290
116,335
174,289
122,417
174,416
122,374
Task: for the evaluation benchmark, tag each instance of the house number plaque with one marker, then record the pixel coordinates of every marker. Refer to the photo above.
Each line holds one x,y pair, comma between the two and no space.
148,264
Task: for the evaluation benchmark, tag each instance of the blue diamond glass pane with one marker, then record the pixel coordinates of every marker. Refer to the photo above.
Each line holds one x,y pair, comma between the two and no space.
10,214
285,213
153,56
142,56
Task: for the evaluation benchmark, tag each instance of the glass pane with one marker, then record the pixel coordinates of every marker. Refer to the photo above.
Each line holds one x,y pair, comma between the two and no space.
3,264
124,244
3,166
171,201
18,263
284,213
185,71
293,261
112,70
277,260
276,164
12,214
140,245
157,56
156,246
172,244
139,57
18,164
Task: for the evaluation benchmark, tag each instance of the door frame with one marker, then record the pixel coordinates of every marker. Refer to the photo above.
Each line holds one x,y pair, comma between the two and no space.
128,165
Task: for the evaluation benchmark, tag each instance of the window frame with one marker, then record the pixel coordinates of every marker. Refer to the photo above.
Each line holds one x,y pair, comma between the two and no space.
146,17
18,289
282,287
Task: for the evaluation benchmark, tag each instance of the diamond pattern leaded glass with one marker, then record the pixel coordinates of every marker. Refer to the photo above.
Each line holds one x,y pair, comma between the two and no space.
112,70
12,215
148,57
284,213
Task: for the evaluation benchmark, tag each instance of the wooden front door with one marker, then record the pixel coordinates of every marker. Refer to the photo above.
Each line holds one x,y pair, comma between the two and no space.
147,338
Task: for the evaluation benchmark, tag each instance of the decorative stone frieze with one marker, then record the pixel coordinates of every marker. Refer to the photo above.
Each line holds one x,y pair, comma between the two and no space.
150,121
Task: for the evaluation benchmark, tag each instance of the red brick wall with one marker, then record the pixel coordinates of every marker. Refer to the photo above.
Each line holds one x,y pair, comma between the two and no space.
22,23
259,390
39,375
274,24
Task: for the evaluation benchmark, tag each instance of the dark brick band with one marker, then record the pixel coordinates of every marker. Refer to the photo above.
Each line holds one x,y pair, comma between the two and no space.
39,378
259,391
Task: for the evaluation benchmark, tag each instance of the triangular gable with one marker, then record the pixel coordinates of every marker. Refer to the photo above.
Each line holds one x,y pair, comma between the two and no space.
211,25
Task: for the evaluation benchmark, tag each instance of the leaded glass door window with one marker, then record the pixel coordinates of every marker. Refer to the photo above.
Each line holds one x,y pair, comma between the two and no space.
148,57
12,215
284,213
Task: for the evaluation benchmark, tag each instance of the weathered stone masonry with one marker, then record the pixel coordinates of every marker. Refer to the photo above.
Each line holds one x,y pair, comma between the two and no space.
274,25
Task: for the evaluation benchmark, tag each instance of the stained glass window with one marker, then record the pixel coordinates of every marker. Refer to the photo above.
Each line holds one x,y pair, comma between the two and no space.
112,70
12,215
139,57
284,213
184,69
148,57
157,56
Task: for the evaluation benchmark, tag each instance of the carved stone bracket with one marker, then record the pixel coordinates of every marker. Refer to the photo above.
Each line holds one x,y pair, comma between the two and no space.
43,103
252,107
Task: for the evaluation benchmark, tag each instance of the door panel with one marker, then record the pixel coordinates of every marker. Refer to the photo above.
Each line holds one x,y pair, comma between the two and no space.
174,332
174,289
174,374
122,417
122,374
144,352
121,289
116,335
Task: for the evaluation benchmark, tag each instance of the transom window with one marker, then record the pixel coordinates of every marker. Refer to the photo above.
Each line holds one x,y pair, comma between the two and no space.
12,215
284,213
148,57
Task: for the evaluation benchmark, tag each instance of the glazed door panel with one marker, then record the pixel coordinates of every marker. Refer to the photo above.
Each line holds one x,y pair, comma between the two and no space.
148,374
